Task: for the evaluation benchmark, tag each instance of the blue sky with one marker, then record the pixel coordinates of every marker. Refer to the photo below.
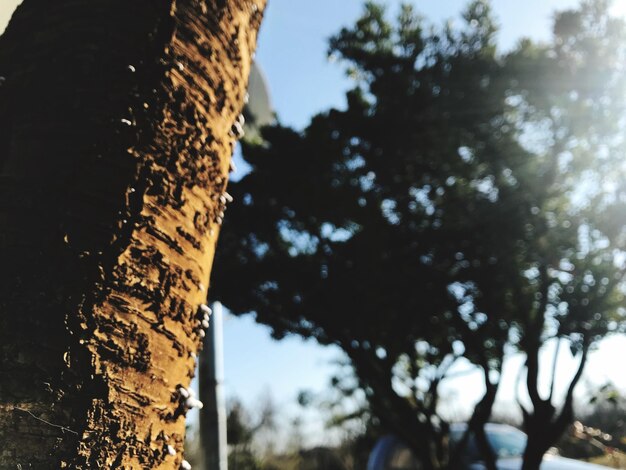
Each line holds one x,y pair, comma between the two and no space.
293,42
292,53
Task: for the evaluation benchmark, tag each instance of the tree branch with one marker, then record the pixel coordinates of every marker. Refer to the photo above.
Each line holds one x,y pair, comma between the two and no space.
567,410
533,342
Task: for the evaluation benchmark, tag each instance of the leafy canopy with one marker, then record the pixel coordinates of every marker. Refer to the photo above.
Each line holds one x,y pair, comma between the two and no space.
463,202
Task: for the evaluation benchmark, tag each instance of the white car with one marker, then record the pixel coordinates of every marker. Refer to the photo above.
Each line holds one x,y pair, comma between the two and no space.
507,442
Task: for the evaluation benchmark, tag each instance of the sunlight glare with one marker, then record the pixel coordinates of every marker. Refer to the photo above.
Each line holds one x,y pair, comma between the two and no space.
619,8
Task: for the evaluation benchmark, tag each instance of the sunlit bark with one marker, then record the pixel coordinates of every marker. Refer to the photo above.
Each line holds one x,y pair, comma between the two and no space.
117,123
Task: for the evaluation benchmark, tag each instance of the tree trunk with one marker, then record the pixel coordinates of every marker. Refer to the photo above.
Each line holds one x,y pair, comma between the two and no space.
117,123
543,424
544,427
532,458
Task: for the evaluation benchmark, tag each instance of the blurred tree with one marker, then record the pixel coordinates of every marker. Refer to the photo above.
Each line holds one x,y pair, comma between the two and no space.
240,432
464,202
251,438
570,96
347,416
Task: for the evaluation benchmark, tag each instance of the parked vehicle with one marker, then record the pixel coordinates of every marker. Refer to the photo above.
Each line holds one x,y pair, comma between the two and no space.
507,442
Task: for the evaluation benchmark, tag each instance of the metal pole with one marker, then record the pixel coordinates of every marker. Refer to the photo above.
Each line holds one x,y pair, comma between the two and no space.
211,378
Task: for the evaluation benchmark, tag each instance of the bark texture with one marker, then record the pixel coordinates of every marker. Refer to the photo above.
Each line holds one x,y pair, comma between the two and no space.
117,123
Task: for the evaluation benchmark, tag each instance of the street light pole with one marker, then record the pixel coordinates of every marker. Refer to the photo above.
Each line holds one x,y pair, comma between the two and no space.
213,414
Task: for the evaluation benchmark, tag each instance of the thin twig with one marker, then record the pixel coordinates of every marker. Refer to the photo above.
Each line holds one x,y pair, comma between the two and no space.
62,428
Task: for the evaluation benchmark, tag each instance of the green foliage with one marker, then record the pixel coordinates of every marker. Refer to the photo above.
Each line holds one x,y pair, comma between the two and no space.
465,201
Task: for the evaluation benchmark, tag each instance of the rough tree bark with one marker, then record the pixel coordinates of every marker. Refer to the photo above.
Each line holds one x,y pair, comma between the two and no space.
117,123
